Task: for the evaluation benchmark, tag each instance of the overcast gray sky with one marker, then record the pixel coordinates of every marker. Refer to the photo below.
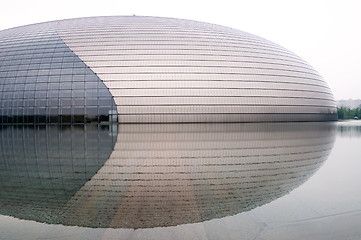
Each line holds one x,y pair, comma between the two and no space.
326,33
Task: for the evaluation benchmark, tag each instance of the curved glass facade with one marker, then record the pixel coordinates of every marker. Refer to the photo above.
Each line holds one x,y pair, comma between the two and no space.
153,70
43,81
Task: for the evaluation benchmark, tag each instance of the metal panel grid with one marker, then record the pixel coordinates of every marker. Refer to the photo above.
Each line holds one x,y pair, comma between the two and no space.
173,70
43,81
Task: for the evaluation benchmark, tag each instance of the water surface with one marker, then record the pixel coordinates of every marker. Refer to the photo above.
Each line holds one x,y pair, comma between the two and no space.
190,181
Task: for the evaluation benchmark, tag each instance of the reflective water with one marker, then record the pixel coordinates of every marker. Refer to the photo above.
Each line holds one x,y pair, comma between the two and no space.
191,181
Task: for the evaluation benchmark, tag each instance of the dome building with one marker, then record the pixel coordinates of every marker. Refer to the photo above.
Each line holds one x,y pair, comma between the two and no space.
153,70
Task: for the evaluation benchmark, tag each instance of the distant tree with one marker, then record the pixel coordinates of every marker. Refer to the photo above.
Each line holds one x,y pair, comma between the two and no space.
340,113
347,113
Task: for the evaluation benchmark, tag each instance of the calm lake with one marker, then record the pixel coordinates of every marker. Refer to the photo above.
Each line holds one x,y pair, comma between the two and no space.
181,181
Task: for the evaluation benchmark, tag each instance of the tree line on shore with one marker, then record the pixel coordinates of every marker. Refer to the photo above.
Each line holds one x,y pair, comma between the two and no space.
349,113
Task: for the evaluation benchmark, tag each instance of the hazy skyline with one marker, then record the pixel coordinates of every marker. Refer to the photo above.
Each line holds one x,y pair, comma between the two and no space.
324,33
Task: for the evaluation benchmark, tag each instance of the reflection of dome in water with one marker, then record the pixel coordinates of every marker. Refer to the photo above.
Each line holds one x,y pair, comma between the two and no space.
42,167
165,175
149,69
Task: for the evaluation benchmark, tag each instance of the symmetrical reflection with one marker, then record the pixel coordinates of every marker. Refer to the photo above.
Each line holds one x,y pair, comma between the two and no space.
42,167
349,129
157,175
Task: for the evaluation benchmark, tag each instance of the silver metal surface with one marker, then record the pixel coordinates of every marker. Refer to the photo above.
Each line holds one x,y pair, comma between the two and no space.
155,70
174,70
